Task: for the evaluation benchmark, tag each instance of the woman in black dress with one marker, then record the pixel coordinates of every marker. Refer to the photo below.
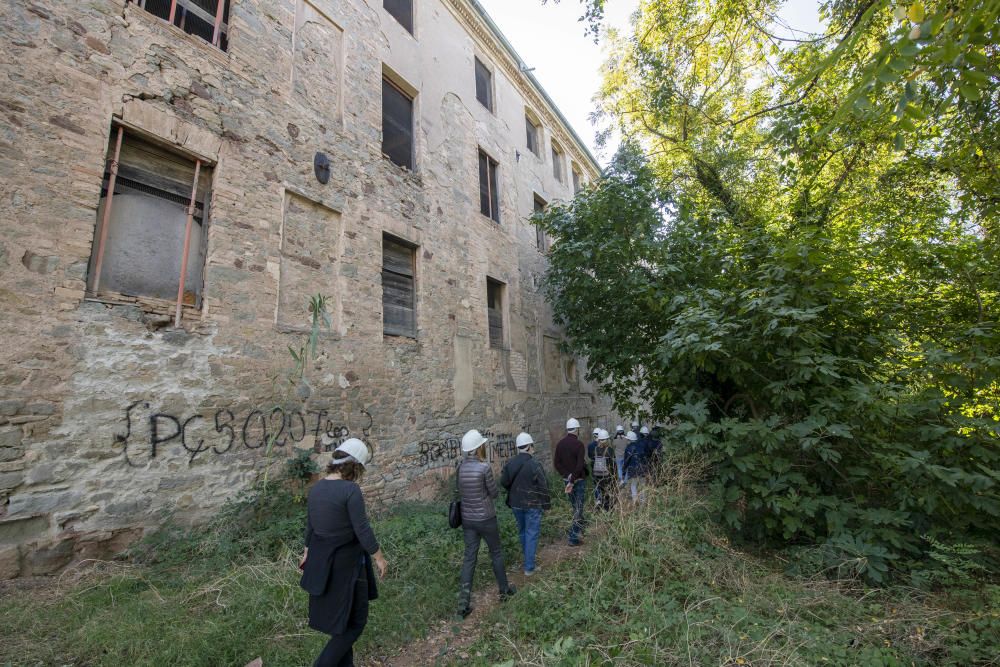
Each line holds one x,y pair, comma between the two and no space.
340,548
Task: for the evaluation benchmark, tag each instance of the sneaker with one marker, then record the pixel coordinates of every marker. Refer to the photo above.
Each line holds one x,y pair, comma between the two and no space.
508,593
578,543
530,573
461,614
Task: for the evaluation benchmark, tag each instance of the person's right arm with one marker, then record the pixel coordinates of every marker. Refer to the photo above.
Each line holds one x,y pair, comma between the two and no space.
309,534
505,477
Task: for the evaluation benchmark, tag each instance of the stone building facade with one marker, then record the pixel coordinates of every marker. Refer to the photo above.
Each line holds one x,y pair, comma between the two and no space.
127,396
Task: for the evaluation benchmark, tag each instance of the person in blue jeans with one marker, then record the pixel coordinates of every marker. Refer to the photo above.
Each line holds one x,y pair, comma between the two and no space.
570,461
527,497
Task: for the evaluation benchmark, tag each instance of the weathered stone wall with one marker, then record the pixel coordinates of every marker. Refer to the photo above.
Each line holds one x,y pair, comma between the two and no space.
111,418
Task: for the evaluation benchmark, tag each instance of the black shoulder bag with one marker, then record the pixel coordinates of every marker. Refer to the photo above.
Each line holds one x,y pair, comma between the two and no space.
455,508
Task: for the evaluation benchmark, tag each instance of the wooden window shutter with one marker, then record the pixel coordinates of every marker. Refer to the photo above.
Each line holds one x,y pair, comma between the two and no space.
399,308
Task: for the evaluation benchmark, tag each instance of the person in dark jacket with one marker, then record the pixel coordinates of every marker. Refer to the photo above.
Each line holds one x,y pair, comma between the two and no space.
477,490
635,468
337,562
591,446
527,497
605,470
570,462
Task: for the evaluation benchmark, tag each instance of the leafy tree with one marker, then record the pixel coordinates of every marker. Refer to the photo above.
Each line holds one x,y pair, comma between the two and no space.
795,254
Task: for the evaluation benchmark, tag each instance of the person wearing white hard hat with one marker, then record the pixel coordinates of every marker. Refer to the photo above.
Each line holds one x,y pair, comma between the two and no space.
340,548
620,442
604,470
570,461
634,464
591,446
527,497
477,489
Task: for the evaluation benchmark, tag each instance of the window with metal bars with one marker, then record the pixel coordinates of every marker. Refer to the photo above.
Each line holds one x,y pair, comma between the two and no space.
484,85
399,301
397,125
489,195
150,236
208,19
494,311
402,11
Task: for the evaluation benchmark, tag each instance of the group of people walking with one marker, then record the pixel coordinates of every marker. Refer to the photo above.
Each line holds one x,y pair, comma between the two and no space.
342,553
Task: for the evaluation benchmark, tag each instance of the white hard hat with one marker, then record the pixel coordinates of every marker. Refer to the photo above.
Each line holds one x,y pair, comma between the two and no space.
602,434
596,431
619,429
635,422
524,440
644,430
355,449
472,441
631,436
571,424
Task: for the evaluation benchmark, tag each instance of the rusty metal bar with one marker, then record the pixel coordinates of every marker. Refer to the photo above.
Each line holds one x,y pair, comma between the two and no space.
218,22
106,218
173,11
187,243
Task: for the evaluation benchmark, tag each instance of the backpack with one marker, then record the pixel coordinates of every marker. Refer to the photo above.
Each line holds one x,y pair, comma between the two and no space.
601,461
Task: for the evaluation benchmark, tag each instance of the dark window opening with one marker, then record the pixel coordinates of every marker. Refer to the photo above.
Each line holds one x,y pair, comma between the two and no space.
142,224
484,85
532,131
207,19
577,185
494,311
541,240
399,301
397,125
557,165
402,11
489,198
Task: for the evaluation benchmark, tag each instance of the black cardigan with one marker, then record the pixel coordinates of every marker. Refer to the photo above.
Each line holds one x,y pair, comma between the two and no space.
335,556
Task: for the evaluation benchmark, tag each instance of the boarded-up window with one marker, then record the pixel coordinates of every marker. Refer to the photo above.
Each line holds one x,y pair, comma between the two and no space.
402,11
540,239
577,183
140,252
397,125
489,195
399,304
557,163
484,85
494,311
208,19
532,131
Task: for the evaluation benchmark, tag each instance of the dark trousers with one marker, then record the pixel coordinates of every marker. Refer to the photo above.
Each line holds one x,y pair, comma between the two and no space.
339,651
474,532
576,497
605,488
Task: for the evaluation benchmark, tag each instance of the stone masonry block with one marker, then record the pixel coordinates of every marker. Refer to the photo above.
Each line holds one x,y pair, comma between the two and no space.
10,562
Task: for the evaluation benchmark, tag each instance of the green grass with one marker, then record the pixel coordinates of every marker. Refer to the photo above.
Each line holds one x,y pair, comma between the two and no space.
226,593
658,586
663,587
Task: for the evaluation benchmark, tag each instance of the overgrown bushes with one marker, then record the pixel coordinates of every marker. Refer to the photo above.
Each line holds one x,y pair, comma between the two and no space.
663,586
831,413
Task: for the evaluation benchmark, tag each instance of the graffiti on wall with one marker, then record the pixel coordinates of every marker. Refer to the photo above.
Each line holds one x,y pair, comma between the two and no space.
448,451
225,430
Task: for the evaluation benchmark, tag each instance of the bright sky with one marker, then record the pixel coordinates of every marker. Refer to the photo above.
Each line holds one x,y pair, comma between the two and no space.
550,38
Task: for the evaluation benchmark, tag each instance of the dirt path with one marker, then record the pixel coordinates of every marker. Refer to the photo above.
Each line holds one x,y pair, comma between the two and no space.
449,639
